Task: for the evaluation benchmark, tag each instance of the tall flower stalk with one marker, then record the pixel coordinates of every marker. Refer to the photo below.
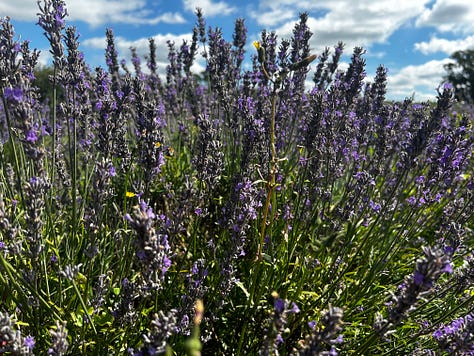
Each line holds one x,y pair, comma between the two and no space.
270,201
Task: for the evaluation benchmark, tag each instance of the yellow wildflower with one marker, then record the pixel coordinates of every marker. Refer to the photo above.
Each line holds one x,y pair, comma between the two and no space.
261,52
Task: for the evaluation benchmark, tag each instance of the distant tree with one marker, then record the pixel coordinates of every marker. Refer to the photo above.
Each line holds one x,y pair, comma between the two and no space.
460,74
43,83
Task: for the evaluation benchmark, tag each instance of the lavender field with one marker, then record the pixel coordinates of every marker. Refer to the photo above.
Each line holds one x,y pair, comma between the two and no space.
234,212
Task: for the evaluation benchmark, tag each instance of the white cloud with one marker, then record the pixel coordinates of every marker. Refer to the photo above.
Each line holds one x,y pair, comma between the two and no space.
99,12
209,8
421,80
274,12
141,45
449,16
356,23
272,16
19,9
45,58
436,44
95,12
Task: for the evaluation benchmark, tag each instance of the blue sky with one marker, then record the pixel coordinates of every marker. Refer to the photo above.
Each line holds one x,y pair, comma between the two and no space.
412,38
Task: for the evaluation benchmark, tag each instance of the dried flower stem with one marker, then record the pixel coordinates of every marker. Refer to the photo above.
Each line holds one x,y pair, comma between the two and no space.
271,177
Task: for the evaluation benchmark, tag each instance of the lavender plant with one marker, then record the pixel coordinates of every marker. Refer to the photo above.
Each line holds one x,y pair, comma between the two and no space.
145,213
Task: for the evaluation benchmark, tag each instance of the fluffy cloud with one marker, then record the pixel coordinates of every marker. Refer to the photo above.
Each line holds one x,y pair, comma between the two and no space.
449,16
209,8
356,23
421,80
141,45
123,45
100,12
95,12
436,44
19,9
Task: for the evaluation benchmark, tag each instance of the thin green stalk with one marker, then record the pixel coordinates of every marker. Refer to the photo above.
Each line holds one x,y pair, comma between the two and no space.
83,304
271,198
45,271
54,138
72,148
14,277
271,184
18,170
250,302
335,279
74,178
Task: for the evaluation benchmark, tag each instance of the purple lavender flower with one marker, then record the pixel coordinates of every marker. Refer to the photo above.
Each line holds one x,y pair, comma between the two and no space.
29,342
457,337
31,136
240,37
300,50
219,65
282,311
326,335
52,19
9,50
209,156
163,326
427,272
36,190
152,247
14,94
201,25
150,121
111,53
59,343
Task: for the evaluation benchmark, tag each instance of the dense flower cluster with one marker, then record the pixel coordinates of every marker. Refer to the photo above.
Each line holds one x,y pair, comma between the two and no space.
457,337
153,249
426,273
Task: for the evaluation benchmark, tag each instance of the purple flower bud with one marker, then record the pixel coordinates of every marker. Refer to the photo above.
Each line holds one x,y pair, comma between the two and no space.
14,94
112,171
418,278
31,136
29,342
279,305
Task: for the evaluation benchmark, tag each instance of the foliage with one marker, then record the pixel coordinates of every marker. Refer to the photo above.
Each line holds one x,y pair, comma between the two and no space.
460,74
43,76
147,214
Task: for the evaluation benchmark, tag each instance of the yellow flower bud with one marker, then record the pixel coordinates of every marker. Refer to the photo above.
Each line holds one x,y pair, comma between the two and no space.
261,52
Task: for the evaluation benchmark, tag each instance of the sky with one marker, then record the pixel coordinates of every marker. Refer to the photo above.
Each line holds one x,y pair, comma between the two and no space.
413,39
